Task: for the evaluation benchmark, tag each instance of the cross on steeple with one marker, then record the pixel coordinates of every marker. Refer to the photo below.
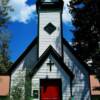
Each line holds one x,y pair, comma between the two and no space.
50,64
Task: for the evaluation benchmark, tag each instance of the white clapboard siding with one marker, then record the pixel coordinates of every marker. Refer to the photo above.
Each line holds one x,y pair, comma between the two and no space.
18,75
46,39
18,79
56,73
81,88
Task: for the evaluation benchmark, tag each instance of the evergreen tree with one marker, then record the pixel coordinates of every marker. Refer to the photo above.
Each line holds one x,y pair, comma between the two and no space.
96,58
3,13
86,14
4,37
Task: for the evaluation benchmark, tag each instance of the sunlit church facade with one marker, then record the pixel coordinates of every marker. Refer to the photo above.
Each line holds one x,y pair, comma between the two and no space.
49,69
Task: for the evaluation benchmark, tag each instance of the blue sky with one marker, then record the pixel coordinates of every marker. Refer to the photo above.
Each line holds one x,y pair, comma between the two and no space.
23,25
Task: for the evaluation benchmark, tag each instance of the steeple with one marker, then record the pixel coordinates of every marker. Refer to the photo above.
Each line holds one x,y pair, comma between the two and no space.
43,5
50,25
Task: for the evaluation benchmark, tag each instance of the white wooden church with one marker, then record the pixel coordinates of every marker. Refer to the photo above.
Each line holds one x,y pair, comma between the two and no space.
49,69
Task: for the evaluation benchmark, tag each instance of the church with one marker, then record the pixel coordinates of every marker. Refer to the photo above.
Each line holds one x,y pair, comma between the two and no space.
49,69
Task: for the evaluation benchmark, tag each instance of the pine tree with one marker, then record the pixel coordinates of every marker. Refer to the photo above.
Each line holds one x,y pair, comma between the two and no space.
86,14
96,58
4,37
3,12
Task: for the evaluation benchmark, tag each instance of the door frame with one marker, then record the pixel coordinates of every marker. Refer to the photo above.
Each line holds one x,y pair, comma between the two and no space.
59,83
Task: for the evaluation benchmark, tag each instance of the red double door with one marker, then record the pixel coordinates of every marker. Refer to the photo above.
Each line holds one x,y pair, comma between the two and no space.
50,89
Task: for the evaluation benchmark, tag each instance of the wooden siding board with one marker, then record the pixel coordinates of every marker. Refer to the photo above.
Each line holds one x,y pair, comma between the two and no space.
56,73
18,76
80,85
52,52
45,39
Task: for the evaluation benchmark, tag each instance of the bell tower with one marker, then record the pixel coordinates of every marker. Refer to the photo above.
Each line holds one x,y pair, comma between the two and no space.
50,25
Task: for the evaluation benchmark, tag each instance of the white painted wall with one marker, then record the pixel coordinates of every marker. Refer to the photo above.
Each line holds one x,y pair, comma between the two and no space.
57,72
46,39
81,87
18,80
18,76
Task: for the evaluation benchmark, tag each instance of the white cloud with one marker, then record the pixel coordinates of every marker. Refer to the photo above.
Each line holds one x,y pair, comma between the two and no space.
66,15
22,12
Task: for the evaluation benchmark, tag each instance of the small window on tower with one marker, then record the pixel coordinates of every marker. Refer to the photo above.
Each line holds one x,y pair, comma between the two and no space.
35,94
50,28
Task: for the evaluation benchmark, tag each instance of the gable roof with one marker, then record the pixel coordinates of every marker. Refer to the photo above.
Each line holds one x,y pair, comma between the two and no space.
9,72
76,56
51,51
34,42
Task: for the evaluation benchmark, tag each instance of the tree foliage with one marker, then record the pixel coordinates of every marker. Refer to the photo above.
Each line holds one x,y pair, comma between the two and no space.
3,12
17,92
86,14
4,37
